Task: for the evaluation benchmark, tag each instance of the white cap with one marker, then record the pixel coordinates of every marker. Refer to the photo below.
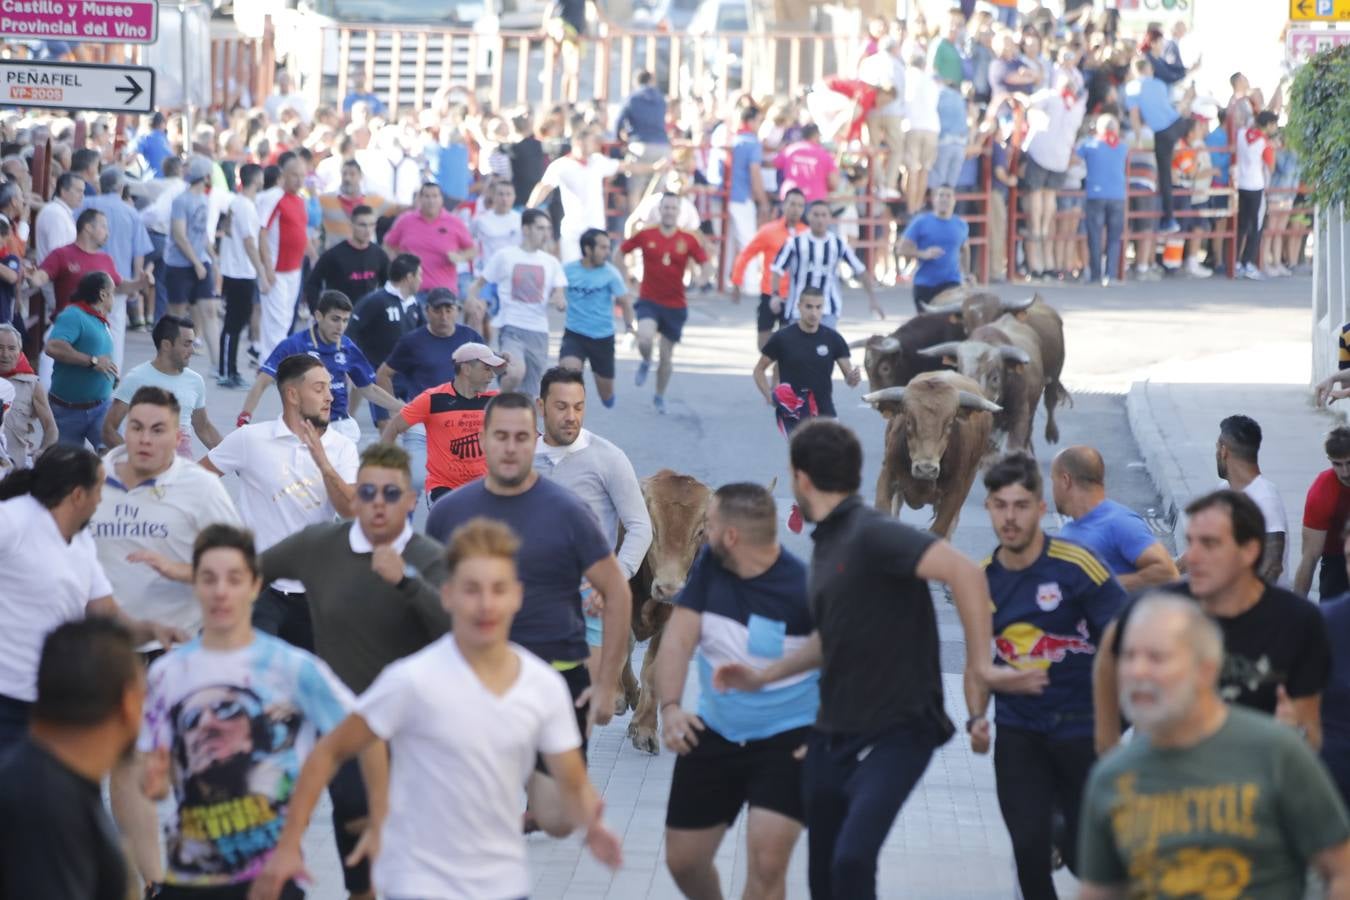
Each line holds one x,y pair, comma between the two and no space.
475,351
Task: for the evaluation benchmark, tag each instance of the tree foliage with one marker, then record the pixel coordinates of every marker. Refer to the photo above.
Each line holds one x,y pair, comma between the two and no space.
1319,124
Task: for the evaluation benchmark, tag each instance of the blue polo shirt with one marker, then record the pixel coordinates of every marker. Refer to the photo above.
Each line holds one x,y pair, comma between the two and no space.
590,298
1113,531
87,334
154,146
927,230
424,360
1219,156
127,234
1105,178
1151,98
746,153
342,360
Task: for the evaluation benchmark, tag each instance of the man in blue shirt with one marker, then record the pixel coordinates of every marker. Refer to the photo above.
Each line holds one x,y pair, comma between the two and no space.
642,124
1105,156
746,199
326,339
745,601
1115,533
1149,103
153,146
593,287
1052,600
1221,160
937,240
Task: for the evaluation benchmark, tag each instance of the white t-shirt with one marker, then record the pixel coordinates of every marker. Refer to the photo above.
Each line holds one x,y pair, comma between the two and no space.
282,490
46,582
878,69
582,186
187,387
525,281
163,515
464,755
1266,496
921,101
244,223
1251,167
55,228
495,232
1053,124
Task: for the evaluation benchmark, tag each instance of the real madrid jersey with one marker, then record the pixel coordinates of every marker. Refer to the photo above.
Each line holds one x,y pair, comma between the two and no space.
1050,616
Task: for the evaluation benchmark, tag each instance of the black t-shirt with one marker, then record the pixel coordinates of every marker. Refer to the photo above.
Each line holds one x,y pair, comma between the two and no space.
56,840
379,320
877,626
527,166
1282,640
344,268
806,361
573,12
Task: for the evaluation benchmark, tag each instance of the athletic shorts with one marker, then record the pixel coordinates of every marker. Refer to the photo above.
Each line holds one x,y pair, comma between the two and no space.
1036,177
714,780
599,352
767,319
578,678
669,320
182,284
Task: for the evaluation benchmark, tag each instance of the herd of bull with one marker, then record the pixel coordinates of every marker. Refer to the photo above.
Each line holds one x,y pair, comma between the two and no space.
957,384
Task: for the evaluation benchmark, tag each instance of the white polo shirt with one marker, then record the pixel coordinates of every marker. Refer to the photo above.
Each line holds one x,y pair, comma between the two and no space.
163,515
282,490
582,188
46,582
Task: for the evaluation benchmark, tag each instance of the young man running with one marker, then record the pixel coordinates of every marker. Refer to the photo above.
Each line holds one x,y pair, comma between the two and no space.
661,307
464,718
594,286
811,260
764,246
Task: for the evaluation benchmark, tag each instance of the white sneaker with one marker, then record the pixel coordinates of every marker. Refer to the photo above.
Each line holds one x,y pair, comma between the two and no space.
1196,270
1252,273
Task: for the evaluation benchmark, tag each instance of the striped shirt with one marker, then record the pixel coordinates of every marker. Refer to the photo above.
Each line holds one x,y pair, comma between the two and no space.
813,262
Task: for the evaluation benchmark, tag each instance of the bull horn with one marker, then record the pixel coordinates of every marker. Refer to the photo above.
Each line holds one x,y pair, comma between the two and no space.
944,349
1015,306
895,394
973,401
889,344
1014,354
861,342
946,309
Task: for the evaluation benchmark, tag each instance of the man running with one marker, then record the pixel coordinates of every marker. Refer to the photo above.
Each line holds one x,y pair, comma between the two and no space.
1052,600
561,545
811,259
938,240
764,246
661,306
452,415
464,718
354,267
881,712
600,474
594,287
745,601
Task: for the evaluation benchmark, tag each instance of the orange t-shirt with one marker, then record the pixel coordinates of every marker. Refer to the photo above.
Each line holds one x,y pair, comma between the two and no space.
454,454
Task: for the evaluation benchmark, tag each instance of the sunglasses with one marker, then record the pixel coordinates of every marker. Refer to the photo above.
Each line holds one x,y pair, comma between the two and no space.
367,493
221,711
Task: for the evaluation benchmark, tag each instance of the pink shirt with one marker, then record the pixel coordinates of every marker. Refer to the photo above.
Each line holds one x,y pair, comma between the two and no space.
430,242
806,167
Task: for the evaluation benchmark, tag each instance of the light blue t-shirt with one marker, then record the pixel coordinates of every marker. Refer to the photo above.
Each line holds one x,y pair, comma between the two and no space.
187,386
952,123
927,230
590,298
1150,97
1113,531
190,208
746,153
81,384
1105,168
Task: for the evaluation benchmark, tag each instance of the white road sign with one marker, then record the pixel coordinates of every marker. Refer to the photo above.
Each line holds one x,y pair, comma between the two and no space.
75,86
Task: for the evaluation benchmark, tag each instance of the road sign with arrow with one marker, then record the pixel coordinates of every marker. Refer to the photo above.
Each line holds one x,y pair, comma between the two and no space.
77,86
1319,10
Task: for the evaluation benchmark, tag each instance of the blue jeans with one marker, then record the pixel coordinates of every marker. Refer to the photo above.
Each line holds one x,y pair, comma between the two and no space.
415,442
75,426
158,241
1110,213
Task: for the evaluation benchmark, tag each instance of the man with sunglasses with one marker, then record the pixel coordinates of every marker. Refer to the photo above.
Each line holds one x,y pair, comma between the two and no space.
373,587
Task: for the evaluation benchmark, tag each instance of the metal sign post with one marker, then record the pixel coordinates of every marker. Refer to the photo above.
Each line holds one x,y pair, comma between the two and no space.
105,88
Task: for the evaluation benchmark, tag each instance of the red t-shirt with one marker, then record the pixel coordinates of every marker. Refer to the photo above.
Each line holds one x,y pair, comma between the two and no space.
663,263
65,266
1326,509
292,232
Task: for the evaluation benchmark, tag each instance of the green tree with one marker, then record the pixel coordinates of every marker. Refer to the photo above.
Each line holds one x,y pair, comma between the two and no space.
1319,125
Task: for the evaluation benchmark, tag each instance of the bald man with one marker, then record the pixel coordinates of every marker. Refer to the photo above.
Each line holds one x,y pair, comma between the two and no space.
1116,533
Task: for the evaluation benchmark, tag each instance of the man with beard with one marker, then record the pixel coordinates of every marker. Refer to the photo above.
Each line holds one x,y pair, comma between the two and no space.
1236,456
561,544
55,836
229,720
1052,599
744,601
1272,809
294,471
1324,515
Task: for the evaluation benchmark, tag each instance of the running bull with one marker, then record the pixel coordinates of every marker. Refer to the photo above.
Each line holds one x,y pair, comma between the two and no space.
937,434
892,360
1004,359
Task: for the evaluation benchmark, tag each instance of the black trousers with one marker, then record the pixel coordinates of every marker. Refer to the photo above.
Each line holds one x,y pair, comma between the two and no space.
1164,143
239,295
1249,226
286,616
1331,578
228,892
1036,777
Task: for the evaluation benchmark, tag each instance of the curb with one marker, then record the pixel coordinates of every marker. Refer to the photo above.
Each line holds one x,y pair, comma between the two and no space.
1164,469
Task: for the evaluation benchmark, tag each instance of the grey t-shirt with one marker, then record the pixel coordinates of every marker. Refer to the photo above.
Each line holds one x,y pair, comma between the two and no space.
190,208
1241,814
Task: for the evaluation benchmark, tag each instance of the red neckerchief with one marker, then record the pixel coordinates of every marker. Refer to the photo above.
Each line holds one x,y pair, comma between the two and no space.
1069,96
1112,139
89,309
1254,134
20,368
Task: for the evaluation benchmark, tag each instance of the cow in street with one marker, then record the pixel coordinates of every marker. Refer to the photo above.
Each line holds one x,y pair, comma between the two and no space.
1006,364
937,435
892,360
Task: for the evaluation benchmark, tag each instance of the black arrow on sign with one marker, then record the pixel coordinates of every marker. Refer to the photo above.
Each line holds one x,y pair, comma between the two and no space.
1302,7
134,90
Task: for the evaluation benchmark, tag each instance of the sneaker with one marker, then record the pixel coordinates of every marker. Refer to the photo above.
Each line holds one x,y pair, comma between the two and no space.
1106,281
1169,227
660,403
643,368
1196,270
607,404
1252,273
795,520
223,381
1152,273
237,382
253,353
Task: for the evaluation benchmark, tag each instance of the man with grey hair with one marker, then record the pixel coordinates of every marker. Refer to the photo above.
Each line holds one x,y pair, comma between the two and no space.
28,411
128,244
1218,798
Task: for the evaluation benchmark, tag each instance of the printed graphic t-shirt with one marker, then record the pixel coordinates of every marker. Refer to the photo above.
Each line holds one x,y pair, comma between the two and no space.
453,423
238,725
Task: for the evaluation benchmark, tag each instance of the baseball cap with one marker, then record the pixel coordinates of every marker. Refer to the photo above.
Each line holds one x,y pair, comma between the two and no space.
199,169
442,297
481,352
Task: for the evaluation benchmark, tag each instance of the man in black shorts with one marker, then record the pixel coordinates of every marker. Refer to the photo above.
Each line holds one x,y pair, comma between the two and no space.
806,353
744,601
765,246
594,286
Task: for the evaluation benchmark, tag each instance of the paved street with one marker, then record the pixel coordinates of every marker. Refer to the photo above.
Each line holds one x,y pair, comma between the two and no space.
949,841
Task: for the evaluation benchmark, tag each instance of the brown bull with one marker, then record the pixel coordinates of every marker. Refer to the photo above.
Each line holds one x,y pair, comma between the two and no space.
894,359
936,437
983,308
678,506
